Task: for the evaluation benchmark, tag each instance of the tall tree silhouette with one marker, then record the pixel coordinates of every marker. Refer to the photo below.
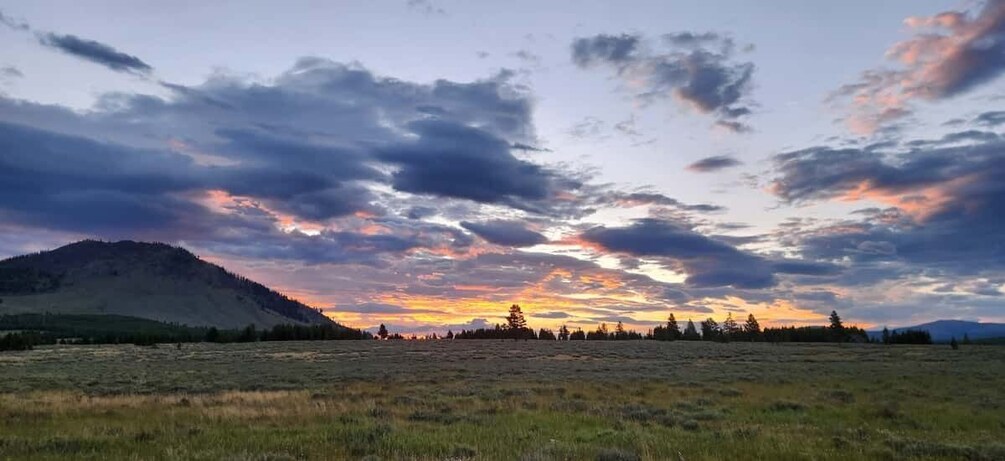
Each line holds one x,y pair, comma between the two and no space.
690,332
382,331
836,327
730,330
752,329
672,327
515,320
710,330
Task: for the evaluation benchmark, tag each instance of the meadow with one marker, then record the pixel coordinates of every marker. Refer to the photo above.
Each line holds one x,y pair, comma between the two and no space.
505,400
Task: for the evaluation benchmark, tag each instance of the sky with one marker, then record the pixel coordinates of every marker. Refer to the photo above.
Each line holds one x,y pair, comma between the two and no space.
426,163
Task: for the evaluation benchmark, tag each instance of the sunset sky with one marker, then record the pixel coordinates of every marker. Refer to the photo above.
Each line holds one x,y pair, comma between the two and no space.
427,163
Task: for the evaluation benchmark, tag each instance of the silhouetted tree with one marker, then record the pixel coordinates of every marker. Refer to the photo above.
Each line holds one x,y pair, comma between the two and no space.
577,335
811,334
730,330
546,334
450,334
886,335
619,331
710,330
672,328
382,331
966,339
911,337
515,320
563,333
952,344
690,332
598,335
752,329
837,327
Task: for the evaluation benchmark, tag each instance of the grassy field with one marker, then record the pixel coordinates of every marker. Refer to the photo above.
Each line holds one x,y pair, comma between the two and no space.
503,400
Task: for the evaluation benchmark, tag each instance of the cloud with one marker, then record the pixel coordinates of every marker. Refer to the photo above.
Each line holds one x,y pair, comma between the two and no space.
945,212
951,53
378,308
13,23
707,262
425,6
991,118
604,49
509,233
714,163
634,199
96,52
552,315
451,160
10,72
698,70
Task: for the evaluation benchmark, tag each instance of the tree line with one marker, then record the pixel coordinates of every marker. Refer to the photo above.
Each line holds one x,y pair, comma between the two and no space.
516,328
29,330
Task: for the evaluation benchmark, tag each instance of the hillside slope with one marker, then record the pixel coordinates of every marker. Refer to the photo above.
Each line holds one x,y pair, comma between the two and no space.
147,280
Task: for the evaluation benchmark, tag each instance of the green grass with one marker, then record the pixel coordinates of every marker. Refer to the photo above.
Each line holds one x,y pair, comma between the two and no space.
503,400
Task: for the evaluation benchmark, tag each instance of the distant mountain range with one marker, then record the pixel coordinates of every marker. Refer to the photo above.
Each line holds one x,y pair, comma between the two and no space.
945,330
145,280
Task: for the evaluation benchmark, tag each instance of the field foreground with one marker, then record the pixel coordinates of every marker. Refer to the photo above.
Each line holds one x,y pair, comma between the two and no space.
535,400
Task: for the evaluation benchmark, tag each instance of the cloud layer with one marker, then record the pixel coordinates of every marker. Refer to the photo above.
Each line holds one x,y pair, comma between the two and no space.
698,70
951,53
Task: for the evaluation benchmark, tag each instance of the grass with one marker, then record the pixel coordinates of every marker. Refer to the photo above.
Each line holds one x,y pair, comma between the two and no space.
503,400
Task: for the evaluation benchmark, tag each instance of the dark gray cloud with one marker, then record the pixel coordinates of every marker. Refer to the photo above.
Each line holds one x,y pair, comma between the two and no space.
313,142
508,233
714,163
69,182
604,49
697,69
96,52
452,160
649,198
991,118
947,213
708,263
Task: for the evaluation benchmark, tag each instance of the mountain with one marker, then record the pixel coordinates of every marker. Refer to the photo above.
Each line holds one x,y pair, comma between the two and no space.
146,280
944,330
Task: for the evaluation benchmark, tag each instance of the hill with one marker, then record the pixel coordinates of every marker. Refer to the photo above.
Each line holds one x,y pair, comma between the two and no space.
944,330
145,280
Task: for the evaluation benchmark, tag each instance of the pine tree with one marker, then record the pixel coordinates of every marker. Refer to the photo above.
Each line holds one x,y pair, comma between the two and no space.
709,330
836,327
953,344
886,335
690,332
382,331
752,328
966,339
450,334
563,333
673,328
730,330
515,320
